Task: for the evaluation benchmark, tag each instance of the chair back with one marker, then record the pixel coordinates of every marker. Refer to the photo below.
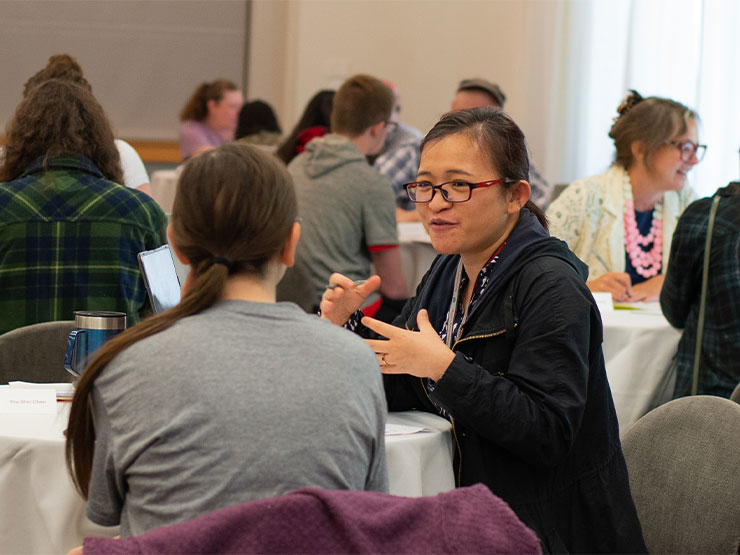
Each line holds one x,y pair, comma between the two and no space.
736,394
684,474
35,353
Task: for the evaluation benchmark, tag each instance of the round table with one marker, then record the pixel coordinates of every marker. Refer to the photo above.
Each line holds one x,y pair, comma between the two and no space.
41,512
419,463
638,347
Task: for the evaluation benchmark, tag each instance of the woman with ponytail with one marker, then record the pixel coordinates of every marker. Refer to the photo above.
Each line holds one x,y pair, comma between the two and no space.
209,117
503,338
229,396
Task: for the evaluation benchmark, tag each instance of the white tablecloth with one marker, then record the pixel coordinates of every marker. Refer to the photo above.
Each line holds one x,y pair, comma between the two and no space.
420,464
638,348
40,511
164,185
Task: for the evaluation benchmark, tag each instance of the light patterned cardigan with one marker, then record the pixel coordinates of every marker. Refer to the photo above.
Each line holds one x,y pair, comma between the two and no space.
588,216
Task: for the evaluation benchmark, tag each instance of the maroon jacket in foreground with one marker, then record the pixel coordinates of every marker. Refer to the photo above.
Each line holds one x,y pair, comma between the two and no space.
465,520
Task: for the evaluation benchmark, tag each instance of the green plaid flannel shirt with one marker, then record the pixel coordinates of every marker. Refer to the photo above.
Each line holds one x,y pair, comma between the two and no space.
69,240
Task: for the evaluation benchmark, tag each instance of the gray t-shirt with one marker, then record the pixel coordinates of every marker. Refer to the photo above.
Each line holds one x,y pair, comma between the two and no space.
240,402
346,208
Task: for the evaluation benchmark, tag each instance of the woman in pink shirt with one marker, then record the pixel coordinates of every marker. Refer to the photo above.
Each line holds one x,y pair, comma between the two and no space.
209,117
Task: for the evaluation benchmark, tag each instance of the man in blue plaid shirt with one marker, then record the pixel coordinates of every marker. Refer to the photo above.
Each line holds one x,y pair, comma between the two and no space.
69,233
399,158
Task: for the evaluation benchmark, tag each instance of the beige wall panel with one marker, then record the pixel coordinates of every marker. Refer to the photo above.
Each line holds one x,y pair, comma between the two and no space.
143,58
425,47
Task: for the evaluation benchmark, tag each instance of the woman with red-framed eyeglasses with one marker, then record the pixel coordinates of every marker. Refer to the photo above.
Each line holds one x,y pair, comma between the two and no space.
621,222
503,338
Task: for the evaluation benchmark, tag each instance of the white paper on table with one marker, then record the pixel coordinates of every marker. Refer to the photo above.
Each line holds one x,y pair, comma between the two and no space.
63,390
402,430
28,401
603,302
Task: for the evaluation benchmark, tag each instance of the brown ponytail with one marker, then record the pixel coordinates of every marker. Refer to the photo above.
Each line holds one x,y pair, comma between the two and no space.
234,202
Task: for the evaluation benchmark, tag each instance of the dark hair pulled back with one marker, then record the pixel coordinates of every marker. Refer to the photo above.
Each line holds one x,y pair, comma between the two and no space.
316,114
500,139
254,117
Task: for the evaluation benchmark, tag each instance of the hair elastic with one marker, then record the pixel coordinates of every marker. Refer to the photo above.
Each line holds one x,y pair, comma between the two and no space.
225,261
628,103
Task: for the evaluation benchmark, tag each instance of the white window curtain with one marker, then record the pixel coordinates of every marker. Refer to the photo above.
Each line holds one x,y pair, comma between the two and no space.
687,50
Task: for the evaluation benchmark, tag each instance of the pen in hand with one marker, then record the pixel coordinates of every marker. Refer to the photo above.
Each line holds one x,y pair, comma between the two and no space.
357,284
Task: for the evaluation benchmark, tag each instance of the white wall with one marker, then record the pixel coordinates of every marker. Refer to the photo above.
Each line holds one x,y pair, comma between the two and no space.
425,47
144,57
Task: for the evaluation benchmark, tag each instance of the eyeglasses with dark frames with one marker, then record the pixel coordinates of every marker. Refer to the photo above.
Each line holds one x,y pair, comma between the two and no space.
689,149
453,191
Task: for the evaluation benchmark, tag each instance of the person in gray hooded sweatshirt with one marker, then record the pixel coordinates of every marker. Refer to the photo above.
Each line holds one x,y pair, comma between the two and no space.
347,208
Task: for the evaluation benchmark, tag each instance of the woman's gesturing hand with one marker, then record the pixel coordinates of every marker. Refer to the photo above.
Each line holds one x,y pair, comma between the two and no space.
419,353
344,297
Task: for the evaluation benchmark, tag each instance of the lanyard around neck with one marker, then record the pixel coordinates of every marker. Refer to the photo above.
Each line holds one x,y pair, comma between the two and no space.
453,308
456,297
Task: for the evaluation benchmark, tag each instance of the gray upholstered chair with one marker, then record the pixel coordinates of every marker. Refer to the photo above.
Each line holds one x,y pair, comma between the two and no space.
685,475
35,353
736,394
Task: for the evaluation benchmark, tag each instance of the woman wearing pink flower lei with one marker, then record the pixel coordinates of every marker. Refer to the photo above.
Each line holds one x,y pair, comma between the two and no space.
621,222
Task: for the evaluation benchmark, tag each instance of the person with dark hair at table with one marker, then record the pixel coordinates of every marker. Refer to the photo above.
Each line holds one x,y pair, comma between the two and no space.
258,125
229,396
347,208
209,117
69,233
503,338
315,122
680,296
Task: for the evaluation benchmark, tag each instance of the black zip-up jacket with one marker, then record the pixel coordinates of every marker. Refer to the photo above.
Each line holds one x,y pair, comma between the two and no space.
528,395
